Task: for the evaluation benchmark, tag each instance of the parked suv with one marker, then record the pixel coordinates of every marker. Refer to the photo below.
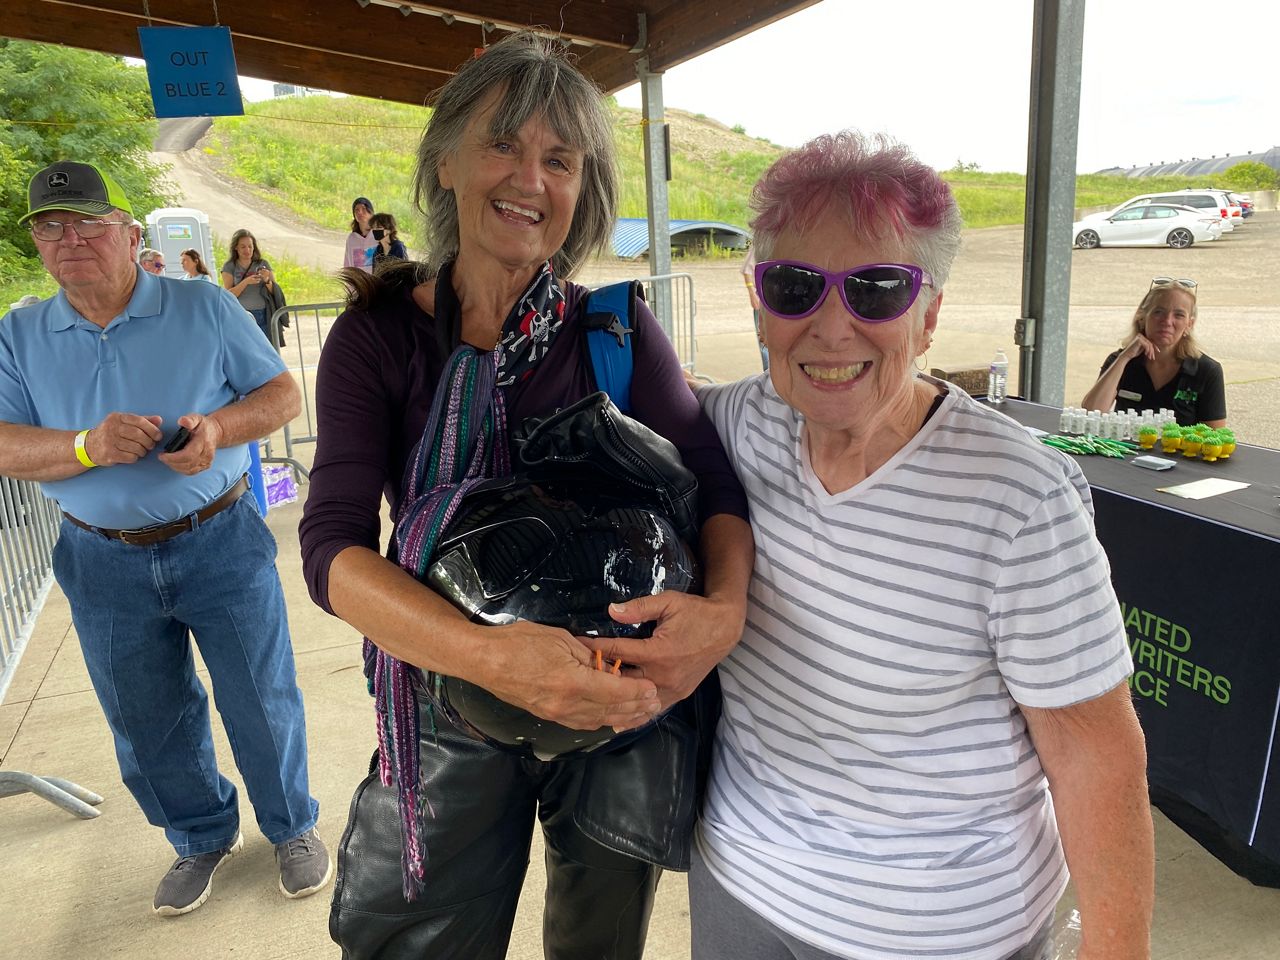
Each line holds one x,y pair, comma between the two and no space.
1203,199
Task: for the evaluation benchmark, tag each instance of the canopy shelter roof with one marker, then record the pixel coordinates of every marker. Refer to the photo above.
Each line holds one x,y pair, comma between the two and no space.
404,49
631,235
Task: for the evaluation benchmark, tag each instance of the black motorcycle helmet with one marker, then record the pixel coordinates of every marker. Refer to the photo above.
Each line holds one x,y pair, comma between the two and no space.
555,554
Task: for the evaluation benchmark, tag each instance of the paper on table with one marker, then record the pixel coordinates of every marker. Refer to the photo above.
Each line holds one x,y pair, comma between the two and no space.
1199,489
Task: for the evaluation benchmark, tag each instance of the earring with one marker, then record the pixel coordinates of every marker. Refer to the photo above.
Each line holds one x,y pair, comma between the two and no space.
924,369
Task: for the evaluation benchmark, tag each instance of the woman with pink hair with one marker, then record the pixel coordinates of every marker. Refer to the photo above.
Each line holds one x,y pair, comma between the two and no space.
932,640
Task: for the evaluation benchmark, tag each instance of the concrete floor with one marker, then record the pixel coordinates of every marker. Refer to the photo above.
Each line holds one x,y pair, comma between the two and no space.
72,888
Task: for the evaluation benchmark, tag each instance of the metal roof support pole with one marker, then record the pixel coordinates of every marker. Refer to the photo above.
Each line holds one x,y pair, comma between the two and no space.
1041,332
657,171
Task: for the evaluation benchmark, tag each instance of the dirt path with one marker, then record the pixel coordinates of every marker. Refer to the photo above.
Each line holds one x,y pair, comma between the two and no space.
231,207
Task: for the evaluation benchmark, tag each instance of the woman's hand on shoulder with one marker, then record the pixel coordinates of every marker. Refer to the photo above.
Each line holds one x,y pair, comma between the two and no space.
553,675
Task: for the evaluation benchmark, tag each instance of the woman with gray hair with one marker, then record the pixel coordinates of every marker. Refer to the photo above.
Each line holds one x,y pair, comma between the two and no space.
516,179
932,642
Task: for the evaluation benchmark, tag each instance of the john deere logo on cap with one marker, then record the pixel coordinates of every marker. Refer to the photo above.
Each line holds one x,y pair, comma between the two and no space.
58,180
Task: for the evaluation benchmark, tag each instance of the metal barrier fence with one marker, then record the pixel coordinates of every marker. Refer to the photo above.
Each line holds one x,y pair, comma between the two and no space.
309,324
28,529
669,295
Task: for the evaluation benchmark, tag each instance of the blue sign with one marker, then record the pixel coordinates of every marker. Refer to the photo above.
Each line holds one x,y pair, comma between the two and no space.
192,71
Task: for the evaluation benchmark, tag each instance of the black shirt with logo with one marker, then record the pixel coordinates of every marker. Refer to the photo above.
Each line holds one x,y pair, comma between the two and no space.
1195,394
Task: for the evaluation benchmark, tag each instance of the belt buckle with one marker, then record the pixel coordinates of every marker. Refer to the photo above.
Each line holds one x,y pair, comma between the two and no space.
126,536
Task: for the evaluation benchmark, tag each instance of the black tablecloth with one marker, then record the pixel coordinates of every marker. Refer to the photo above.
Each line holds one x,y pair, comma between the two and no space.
1197,583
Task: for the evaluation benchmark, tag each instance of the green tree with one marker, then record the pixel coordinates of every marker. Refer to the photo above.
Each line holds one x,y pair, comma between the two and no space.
1251,175
58,103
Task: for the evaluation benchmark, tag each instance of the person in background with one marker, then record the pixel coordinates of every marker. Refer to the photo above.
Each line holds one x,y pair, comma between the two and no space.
748,271
1161,364
928,706
382,226
249,277
193,267
151,261
516,177
360,243
158,544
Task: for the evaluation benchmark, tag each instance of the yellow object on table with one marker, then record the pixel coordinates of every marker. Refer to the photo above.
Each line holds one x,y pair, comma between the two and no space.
1191,446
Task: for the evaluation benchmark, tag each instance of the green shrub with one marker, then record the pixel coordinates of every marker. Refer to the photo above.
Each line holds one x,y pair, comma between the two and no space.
1251,175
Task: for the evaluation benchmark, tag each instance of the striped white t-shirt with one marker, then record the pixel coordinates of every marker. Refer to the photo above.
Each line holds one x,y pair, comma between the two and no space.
874,790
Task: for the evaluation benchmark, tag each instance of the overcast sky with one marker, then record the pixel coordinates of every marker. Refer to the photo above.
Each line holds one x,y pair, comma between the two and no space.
1162,79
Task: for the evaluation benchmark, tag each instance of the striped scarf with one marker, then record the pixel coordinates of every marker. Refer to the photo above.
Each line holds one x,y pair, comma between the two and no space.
464,442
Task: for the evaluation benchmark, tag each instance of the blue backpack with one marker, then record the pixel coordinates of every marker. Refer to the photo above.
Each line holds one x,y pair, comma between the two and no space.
608,317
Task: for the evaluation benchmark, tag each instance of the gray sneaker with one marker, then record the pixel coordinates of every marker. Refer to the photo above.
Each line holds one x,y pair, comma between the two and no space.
305,865
190,880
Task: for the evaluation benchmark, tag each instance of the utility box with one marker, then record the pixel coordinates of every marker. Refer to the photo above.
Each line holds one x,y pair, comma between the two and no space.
174,229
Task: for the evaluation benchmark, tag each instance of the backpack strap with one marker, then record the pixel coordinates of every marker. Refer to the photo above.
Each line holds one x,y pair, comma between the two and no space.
608,316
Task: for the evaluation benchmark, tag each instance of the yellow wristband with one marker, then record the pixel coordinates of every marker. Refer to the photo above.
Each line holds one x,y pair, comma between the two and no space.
81,453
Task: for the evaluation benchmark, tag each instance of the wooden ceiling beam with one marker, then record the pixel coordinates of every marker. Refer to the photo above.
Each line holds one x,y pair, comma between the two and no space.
604,22
377,51
108,33
337,27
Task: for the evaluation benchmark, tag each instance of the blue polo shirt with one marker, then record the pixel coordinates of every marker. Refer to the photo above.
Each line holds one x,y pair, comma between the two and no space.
177,348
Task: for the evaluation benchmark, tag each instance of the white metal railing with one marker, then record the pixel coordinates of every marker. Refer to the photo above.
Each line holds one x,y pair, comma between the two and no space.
669,295
28,529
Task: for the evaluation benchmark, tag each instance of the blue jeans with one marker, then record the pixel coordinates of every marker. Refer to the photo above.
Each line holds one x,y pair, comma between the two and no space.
263,319
135,609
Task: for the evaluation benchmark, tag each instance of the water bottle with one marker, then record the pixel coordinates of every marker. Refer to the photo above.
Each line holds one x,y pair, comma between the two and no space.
998,378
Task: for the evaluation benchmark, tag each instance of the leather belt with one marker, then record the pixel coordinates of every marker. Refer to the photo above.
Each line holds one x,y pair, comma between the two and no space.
148,536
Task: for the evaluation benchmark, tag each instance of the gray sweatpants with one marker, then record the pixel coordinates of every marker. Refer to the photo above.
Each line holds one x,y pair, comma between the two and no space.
726,929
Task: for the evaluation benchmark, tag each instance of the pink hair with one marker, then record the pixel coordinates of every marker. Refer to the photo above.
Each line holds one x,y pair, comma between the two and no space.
876,183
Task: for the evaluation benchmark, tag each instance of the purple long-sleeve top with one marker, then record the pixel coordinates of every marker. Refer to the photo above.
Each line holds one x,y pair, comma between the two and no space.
377,377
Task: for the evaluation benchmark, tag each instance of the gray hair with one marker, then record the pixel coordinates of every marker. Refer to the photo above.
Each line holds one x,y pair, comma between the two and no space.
536,79
146,254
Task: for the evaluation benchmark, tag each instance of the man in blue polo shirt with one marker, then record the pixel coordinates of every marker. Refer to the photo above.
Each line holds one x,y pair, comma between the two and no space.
132,399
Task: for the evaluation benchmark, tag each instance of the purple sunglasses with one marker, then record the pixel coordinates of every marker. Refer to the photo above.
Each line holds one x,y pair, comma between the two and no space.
872,292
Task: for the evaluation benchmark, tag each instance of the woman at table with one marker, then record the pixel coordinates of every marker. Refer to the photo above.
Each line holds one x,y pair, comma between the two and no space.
1161,364
516,177
932,641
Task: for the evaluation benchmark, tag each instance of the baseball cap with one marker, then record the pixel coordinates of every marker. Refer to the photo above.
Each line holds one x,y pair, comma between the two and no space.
365,200
79,187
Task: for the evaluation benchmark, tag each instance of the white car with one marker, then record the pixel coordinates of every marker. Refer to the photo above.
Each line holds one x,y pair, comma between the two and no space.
1208,200
1146,225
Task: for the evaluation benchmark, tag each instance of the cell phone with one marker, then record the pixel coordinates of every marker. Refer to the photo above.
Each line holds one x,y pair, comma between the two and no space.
1153,463
178,440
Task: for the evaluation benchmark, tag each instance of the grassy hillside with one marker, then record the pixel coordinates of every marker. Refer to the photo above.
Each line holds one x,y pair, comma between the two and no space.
312,155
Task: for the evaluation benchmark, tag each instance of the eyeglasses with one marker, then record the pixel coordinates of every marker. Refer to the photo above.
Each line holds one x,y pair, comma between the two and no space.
1166,281
153,265
873,292
52,230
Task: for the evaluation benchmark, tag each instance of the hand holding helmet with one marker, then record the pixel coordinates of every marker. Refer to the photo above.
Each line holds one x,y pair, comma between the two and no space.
551,674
